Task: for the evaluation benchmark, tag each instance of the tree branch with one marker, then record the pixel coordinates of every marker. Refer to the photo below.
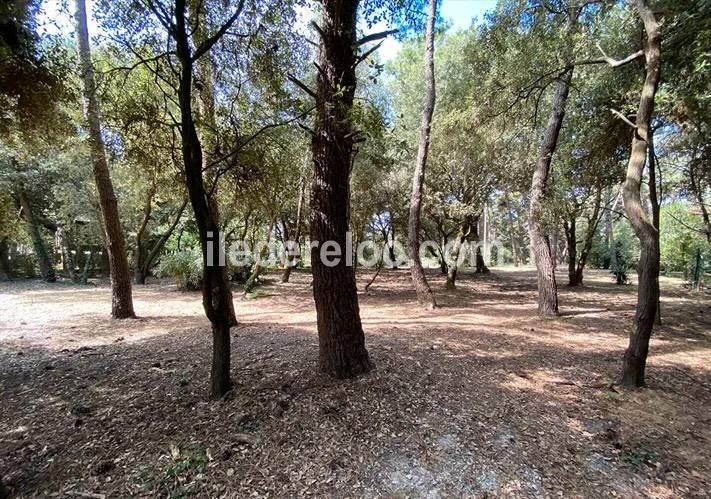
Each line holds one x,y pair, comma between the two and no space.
211,41
376,36
301,85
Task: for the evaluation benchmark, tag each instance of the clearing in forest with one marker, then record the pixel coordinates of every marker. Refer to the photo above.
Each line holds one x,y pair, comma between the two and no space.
478,397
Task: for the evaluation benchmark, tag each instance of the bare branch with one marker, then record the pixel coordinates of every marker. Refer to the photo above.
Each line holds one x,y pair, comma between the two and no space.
301,85
376,36
623,118
367,53
211,41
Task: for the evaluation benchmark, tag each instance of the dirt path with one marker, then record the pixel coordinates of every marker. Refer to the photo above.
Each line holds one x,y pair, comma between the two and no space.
478,398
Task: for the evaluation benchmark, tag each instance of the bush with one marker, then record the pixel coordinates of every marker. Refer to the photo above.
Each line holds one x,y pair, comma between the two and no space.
184,266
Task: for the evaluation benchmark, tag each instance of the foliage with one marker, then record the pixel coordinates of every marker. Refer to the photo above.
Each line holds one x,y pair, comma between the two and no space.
183,266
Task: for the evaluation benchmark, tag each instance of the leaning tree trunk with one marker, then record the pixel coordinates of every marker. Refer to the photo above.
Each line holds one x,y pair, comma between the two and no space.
121,299
342,351
422,287
44,258
216,293
547,287
648,270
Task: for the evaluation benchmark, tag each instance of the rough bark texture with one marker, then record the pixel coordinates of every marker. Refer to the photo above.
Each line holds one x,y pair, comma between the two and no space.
121,299
148,260
545,265
216,293
342,351
44,258
422,287
648,271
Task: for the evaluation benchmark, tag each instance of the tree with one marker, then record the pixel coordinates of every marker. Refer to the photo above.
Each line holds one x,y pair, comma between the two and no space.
635,359
121,299
342,351
217,296
419,280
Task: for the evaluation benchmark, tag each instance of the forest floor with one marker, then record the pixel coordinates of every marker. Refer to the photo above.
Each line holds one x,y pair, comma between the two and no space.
478,398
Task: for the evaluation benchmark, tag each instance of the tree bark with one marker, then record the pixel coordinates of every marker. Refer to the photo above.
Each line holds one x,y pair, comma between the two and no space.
160,243
419,280
5,270
139,276
654,202
593,222
342,351
121,297
547,287
292,261
635,359
44,258
571,238
216,293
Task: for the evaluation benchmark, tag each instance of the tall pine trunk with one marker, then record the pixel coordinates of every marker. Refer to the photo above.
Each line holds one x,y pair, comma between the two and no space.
422,287
216,293
342,351
654,202
635,359
121,298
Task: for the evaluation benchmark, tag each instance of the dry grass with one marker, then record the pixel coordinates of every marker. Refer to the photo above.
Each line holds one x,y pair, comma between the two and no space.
478,398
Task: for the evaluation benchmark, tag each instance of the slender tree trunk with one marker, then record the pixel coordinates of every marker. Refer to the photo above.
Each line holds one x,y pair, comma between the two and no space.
258,267
147,262
422,287
648,271
593,222
698,191
543,255
452,270
654,202
44,257
139,276
5,270
121,298
216,293
342,351
512,232
571,236
391,246
292,261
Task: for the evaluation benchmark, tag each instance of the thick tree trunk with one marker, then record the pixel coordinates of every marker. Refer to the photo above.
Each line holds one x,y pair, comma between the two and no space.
121,298
44,257
342,351
648,271
216,294
422,287
547,287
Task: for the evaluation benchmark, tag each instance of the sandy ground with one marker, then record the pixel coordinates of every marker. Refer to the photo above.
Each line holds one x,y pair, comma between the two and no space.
479,398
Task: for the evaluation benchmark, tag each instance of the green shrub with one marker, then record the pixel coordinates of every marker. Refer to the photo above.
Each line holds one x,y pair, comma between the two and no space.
184,266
